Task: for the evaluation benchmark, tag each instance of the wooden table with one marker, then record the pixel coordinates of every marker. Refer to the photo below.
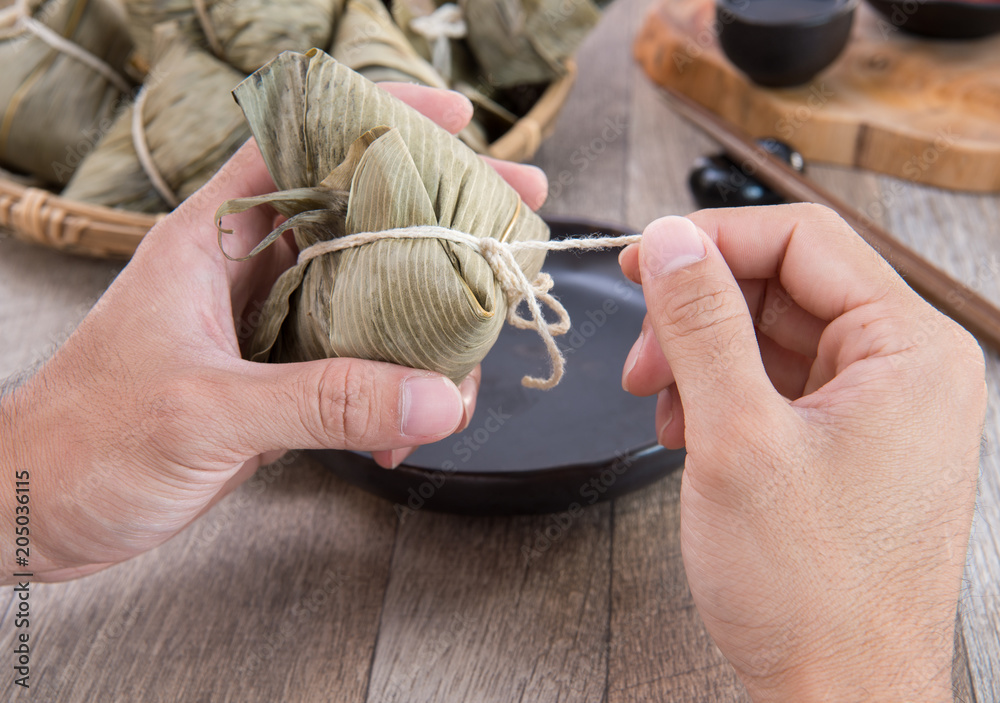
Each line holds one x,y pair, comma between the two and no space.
299,587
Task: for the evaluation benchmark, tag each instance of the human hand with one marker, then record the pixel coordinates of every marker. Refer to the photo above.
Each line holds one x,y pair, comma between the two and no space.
832,420
148,415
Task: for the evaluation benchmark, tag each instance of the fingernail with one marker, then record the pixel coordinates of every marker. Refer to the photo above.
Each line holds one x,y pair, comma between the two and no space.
669,244
462,113
540,195
621,255
398,456
429,406
664,409
633,356
469,390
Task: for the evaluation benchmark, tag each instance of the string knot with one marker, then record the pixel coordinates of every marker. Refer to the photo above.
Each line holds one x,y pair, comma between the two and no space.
440,26
500,256
518,289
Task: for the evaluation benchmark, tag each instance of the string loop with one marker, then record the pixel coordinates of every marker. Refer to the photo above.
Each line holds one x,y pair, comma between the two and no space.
208,29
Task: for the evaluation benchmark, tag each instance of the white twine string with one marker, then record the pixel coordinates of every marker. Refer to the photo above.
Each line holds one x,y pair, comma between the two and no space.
438,28
145,156
515,285
201,10
65,46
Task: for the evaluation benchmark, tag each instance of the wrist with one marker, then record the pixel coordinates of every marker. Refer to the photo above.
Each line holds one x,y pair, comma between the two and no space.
36,500
19,523
901,666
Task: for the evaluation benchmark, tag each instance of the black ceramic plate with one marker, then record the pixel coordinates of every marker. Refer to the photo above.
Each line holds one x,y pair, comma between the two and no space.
531,451
942,19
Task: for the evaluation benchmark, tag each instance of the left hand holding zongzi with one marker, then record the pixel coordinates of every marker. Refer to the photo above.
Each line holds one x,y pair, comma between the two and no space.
148,415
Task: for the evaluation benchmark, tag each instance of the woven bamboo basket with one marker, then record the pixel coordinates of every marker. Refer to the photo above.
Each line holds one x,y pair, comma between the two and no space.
38,215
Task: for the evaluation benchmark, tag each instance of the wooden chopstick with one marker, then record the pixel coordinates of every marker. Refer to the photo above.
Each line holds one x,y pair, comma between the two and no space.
955,299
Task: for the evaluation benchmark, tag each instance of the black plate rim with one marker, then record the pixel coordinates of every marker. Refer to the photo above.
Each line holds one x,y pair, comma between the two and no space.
642,452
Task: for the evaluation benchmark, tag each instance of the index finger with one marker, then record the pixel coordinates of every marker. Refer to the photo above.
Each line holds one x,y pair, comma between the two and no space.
822,263
448,108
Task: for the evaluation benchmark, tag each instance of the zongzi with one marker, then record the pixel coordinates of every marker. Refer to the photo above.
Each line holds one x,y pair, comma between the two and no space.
522,42
188,122
61,84
349,158
500,54
244,33
368,42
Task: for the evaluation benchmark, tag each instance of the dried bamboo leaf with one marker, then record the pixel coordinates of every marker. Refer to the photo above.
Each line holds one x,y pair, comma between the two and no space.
508,44
422,303
404,12
463,66
526,41
387,58
248,33
55,107
185,86
369,42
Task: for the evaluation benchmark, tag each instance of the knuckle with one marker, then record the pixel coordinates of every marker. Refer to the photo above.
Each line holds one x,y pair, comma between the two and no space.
821,214
696,309
344,402
945,346
970,353
820,218
969,364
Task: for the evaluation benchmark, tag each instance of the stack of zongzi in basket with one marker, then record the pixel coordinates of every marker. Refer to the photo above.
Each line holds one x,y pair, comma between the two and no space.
130,106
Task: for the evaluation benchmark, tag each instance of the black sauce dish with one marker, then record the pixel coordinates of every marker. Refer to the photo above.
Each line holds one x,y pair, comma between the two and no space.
784,43
941,19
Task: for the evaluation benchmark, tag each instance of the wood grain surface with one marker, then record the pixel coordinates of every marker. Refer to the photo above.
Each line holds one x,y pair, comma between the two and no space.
918,109
299,587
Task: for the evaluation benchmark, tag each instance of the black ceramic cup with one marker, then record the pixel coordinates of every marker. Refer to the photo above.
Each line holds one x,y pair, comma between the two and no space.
783,43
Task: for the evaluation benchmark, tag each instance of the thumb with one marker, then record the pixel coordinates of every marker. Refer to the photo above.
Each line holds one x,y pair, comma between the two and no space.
342,404
702,323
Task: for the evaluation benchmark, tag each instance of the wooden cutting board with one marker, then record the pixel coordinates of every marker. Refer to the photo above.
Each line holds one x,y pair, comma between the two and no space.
925,111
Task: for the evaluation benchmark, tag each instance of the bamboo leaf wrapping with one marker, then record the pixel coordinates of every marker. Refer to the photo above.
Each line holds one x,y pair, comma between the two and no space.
421,303
250,32
368,41
53,107
526,41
